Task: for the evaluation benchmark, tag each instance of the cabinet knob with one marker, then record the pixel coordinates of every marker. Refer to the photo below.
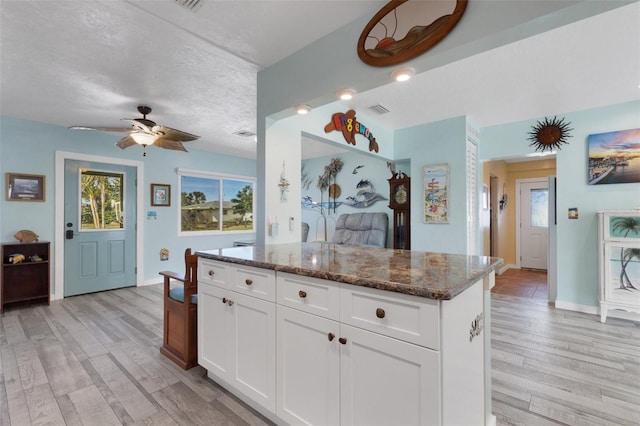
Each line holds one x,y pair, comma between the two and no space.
331,336
342,340
248,281
224,300
302,294
380,313
229,302
211,273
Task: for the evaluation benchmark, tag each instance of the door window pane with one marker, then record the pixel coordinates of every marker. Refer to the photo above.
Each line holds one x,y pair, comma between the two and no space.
539,207
101,200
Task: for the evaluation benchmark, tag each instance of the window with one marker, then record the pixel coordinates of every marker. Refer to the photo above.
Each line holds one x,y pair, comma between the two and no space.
539,205
214,203
101,200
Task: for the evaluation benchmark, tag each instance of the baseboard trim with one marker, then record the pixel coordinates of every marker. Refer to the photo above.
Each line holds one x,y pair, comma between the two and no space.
153,281
506,267
595,310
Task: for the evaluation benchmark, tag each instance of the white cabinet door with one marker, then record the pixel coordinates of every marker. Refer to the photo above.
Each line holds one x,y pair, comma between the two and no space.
308,359
236,341
214,340
385,381
254,348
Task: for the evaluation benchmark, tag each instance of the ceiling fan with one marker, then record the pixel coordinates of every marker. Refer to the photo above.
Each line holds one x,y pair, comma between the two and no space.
146,132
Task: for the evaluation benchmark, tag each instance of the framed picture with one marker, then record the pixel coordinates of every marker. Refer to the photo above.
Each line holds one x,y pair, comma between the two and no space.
614,157
25,187
436,193
160,195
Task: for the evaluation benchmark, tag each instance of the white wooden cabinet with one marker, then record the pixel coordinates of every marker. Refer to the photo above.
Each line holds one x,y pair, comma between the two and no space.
331,372
619,261
236,329
342,354
385,381
308,360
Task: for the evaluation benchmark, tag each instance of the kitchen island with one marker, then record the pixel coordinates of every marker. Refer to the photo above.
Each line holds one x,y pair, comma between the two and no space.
317,333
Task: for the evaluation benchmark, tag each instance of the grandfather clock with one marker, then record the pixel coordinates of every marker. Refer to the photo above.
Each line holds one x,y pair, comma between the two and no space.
400,203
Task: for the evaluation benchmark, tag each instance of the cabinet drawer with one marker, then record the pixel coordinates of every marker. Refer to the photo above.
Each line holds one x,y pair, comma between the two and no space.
256,282
313,295
216,273
414,320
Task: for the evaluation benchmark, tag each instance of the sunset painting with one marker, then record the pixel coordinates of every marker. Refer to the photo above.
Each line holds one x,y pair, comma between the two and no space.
614,157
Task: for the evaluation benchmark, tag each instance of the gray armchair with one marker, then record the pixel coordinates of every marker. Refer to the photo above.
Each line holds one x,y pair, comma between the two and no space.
362,229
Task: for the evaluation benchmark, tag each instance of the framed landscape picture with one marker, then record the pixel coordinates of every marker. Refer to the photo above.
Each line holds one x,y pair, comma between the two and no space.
614,157
21,187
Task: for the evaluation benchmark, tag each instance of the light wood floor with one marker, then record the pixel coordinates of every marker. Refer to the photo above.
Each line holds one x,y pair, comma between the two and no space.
94,360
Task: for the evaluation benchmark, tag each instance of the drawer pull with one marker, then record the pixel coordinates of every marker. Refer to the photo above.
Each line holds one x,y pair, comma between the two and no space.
331,336
302,294
248,281
380,313
211,273
342,340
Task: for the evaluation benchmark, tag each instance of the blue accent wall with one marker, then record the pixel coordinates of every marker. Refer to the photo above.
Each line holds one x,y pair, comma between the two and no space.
29,147
576,239
434,143
374,170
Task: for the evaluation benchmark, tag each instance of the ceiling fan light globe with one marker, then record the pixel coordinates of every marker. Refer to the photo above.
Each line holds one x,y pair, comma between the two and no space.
143,138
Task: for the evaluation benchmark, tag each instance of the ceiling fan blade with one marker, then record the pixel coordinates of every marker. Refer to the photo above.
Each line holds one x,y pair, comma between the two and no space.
103,129
125,142
139,125
173,134
169,144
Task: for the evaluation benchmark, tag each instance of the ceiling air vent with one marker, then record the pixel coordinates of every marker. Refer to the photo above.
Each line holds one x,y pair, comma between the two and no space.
379,109
192,5
244,133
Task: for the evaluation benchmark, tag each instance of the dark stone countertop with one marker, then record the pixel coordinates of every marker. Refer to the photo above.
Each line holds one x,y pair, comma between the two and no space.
425,274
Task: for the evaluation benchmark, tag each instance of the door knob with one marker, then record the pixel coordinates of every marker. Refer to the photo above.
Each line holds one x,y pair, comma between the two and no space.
342,340
69,234
331,336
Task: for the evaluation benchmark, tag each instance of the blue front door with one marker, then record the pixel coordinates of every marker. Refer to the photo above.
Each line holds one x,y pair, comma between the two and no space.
100,237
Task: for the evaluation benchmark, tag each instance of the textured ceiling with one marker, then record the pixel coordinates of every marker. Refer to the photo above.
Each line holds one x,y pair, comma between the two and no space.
92,62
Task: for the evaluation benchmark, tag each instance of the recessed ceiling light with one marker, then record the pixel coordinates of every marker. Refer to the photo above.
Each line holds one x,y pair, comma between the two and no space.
403,74
302,108
346,94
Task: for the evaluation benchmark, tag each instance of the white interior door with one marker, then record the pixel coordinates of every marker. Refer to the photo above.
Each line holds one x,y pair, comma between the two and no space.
534,223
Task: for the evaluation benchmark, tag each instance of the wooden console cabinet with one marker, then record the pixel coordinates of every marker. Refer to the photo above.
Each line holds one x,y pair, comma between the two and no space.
27,281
